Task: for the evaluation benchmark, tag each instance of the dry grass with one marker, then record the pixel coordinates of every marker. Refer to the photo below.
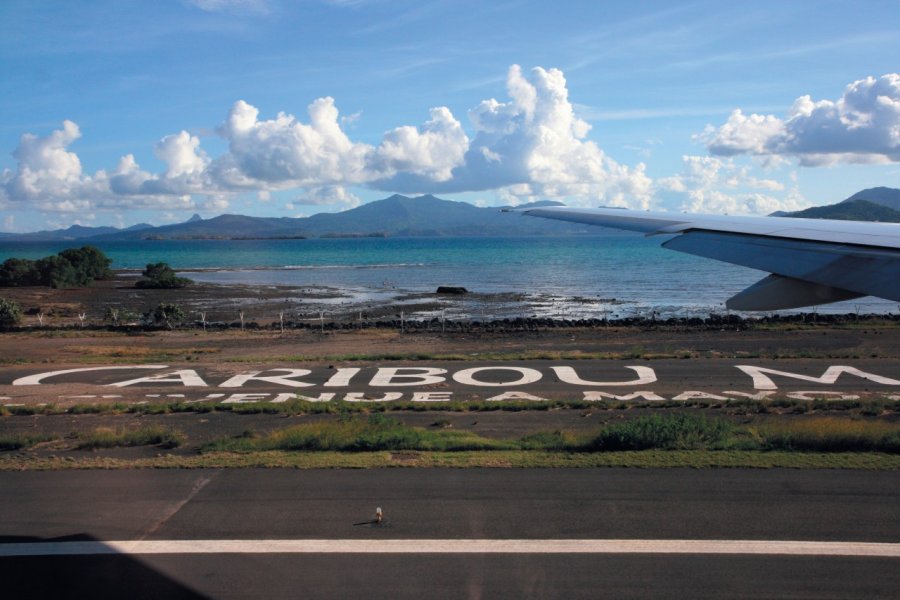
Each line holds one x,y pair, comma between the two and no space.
134,353
831,434
484,459
107,437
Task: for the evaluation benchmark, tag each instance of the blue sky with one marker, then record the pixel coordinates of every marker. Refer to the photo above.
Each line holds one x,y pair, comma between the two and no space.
121,112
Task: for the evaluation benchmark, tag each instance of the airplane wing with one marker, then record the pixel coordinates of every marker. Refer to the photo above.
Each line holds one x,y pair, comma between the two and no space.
811,261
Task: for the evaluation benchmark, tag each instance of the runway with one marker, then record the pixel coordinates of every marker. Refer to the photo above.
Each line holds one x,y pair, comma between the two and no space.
775,547
483,533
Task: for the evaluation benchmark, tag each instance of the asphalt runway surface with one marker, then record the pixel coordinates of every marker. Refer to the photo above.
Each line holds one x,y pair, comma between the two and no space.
430,511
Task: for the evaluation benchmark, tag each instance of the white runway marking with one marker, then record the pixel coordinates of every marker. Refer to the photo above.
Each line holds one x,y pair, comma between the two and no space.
798,548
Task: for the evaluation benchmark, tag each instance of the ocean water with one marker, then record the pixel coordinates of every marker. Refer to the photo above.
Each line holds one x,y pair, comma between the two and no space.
624,270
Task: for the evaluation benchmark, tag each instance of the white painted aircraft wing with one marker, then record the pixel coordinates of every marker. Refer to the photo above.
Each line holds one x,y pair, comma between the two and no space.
812,261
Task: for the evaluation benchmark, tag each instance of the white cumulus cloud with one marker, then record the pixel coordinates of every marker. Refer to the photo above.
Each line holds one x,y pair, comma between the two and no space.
329,195
530,146
432,151
708,184
863,126
534,146
284,153
49,177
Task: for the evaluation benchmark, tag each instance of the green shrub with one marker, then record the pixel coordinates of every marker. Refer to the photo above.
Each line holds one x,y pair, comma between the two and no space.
57,272
10,313
161,276
164,314
664,432
118,316
17,441
15,272
89,263
73,267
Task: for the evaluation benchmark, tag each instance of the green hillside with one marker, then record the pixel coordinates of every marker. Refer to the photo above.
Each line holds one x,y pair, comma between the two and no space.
851,210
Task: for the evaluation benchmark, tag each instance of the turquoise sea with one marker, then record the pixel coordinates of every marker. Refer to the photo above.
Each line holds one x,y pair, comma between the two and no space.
629,268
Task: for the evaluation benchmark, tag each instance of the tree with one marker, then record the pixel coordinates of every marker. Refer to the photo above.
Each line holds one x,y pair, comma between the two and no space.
57,272
74,267
161,276
16,272
89,262
164,314
10,313
118,316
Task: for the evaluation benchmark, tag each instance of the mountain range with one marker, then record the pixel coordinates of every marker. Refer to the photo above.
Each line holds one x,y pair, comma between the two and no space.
401,216
396,216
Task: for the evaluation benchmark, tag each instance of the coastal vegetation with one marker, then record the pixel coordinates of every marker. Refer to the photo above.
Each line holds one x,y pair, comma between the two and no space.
161,276
164,314
73,267
10,313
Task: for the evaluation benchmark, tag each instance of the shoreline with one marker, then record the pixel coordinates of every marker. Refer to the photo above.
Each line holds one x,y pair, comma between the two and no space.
224,306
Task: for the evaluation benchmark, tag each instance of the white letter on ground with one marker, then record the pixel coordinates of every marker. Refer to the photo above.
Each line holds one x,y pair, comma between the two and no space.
757,396
526,376
821,396
38,378
515,396
761,381
244,398
320,398
242,378
645,375
361,397
386,376
431,396
648,396
342,377
692,395
186,377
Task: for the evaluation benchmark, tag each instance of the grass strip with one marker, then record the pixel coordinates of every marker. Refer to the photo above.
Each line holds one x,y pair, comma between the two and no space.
869,406
647,459
829,434
19,441
671,432
107,437
360,435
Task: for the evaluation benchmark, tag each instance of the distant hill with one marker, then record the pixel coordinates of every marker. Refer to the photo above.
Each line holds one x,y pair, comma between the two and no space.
396,216
425,216
75,232
221,227
883,196
874,204
850,210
